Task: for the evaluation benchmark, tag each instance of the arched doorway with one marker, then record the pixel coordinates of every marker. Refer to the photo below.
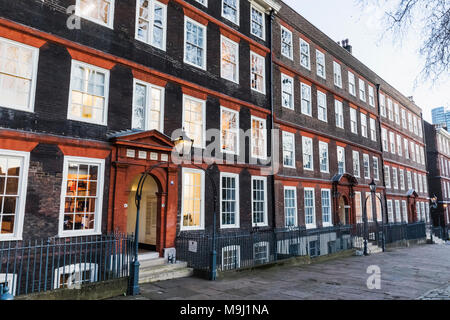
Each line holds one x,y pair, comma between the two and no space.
148,218
344,210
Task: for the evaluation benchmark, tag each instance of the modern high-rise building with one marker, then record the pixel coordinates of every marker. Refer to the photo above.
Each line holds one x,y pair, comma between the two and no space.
441,117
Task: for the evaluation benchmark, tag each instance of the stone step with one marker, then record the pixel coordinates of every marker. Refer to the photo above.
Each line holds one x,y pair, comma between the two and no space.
151,263
148,256
165,272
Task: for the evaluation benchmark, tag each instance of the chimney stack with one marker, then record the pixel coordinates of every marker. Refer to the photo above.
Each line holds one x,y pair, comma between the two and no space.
346,45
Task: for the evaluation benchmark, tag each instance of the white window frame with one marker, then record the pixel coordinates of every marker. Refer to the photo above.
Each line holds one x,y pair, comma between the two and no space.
266,222
321,54
353,121
291,52
337,156
373,130
376,169
203,2
260,10
398,211
351,81
237,13
32,93
22,193
236,152
261,244
392,142
205,40
236,248
362,90
263,157
383,105
399,145
322,96
394,178
236,45
330,223
402,179
366,159
100,192
313,224
396,113
304,139
237,190
263,91
149,88
371,96
390,209
387,176
287,188
390,109
356,164
404,122
203,102
151,18
307,87
110,23
283,77
384,139
76,63
202,205
337,71
404,211
339,113
321,145
364,130
309,54
286,135
75,272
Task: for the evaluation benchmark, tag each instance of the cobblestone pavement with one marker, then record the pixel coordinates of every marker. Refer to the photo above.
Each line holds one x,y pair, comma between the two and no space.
406,273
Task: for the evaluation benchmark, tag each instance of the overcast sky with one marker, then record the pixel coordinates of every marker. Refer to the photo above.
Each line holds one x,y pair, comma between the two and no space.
397,63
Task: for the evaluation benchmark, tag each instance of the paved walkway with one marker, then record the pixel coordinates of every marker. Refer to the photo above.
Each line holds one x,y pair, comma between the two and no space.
406,273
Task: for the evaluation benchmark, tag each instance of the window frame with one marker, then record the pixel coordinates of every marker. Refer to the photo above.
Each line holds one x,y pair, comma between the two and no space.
352,92
290,188
337,75
32,93
353,121
373,129
337,158
151,19
283,77
19,215
324,107
222,109
314,223
312,153
364,131
362,90
236,225
205,39
237,22
321,144
291,52
148,87
260,10
321,54
330,223
111,12
203,102
357,164
223,38
263,91
100,193
106,72
339,115
263,157
376,174
291,135
366,157
308,67
266,222
237,249
202,205
304,85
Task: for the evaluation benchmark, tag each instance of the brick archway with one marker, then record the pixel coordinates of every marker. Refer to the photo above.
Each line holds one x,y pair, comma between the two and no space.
133,154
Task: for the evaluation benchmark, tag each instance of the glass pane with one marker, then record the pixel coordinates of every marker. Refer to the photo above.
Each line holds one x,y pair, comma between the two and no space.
12,186
68,222
69,205
9,205
8,224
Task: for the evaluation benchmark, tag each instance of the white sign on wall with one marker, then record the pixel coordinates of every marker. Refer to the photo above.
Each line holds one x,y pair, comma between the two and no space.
193,246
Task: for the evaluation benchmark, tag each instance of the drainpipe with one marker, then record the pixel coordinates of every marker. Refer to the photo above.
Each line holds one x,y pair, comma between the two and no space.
271,19
382,167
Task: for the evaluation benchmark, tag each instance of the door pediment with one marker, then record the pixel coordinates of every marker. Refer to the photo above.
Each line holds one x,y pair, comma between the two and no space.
152,140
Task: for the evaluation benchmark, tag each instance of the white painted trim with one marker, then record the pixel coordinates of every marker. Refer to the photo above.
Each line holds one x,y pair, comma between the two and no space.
22,192
266,222
205,39
202,206
151,24
222,109
327,224
322,143
110,23
75,270
237,213
320,93
309,54
11,279
149,87
203,102
262,244
314,224
104,121
238,9
100,193
264,157
320,53
292,43
284,76
264,72
258,8
337,66
343,153
296,205
203,4
32,97
292,135
302,84
312,153
222,38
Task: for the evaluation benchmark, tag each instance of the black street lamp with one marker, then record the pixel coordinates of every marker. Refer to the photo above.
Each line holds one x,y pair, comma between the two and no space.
184,145
373,189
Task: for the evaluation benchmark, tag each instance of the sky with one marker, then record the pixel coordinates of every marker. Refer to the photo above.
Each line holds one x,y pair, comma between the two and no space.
397,62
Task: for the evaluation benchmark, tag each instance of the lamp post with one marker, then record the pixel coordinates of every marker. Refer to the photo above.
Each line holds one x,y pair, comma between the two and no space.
184,145
373,189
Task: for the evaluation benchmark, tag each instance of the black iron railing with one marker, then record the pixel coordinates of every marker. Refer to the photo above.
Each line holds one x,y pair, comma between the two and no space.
39,266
